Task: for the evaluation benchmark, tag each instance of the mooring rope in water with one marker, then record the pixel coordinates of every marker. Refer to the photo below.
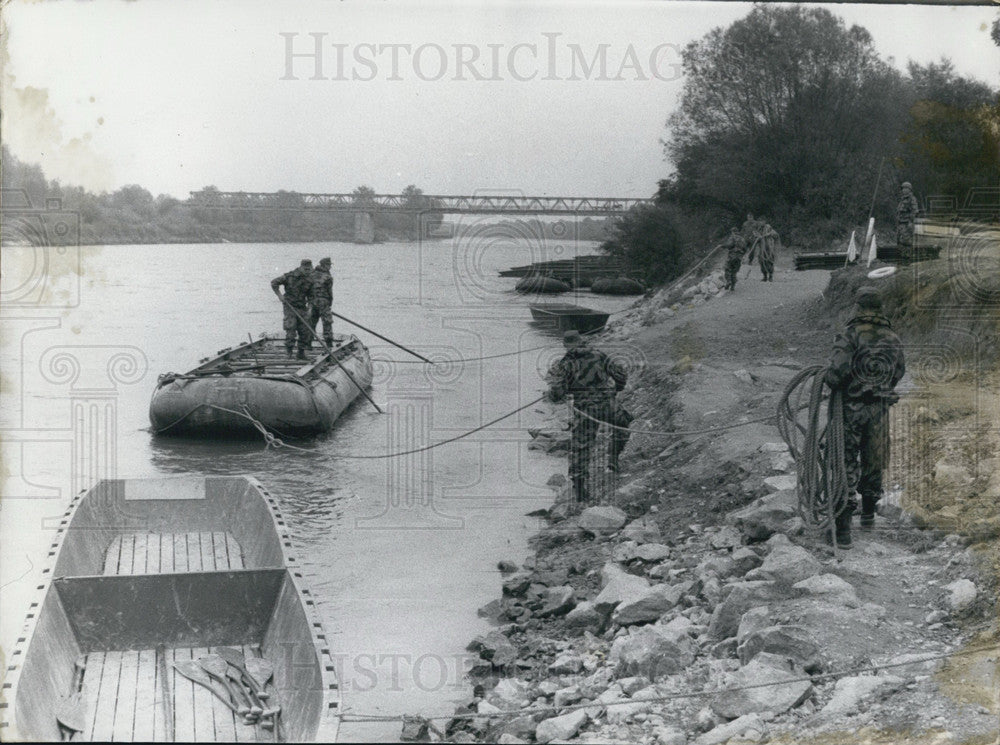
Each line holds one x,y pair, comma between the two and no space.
277,442
818,449
676,432
357,717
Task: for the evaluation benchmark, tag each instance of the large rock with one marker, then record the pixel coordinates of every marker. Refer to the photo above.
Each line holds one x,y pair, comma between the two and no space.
556,601
848,693
494,647
618,586
566,663
744,559
760,520
510,693
585,617
601,519
652,652
961,594
562,727
726,537
750,725
742,597
642,530
782,482
778,688
786,565
830,587
649,606
552,442
793,642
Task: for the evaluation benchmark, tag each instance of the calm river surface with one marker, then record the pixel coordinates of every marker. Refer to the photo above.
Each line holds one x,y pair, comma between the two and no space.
400,552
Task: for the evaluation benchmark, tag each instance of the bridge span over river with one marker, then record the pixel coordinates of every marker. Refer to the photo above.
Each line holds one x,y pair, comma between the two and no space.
365,206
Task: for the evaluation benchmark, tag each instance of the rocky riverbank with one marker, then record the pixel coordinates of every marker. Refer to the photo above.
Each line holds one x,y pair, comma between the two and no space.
693,605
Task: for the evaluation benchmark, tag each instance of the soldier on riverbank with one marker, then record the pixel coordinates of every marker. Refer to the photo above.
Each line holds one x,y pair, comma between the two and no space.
321,300
735,246
906,220
593,379
866,365
765,240
295,302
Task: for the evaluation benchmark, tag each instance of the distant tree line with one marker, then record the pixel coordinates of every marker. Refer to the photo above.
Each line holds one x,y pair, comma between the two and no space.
133,215
787,114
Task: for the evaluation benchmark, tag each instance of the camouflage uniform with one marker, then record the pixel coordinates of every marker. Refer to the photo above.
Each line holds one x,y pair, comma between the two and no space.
866,365
735,246
321,299
764,244
297,284
592,379
906,218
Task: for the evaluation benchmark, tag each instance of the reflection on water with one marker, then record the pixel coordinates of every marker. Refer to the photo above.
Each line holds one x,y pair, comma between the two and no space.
400,552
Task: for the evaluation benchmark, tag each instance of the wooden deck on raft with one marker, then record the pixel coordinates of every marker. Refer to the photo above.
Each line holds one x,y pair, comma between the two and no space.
123,689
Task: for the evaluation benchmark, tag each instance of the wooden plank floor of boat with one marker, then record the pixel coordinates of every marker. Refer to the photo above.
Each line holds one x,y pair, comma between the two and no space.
123,689
124,699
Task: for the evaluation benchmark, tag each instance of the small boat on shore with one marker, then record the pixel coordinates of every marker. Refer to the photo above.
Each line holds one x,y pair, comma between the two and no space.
258,382
149,578
567,317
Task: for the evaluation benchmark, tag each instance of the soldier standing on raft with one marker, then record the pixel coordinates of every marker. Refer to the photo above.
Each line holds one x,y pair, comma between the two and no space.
906,220
735,247
295,302
321,300
593,379
866,365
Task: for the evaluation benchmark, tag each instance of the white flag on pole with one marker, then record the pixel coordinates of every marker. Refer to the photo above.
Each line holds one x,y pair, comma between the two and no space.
852,249
873,252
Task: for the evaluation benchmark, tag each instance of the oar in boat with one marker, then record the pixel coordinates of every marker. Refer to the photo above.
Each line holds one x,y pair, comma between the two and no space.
383,338
237,679
71,711
261,669
236,658
332,356
215,666
193,672
168,707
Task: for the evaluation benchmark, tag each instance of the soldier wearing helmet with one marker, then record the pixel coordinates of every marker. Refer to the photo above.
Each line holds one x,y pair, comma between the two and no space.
295,301
321,300
906,220
593,379
866,365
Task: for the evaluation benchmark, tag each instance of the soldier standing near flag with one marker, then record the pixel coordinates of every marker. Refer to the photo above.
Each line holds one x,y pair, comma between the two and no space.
906,219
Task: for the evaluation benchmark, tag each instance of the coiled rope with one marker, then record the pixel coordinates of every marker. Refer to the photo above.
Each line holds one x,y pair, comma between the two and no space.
818,449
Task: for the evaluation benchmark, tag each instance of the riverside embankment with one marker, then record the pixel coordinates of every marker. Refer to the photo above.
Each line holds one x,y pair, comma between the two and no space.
694,605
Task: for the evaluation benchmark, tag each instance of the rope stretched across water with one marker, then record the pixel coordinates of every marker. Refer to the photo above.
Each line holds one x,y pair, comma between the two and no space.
274,441
818,449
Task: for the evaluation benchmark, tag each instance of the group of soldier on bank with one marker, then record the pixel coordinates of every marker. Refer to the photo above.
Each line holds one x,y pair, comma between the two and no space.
755,240
758,240
866,364
307,299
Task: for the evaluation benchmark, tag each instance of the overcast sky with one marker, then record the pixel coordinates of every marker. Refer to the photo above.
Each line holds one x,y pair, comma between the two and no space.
178,94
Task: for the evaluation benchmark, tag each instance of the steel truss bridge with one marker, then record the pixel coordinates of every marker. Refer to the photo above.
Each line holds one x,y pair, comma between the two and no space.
440,203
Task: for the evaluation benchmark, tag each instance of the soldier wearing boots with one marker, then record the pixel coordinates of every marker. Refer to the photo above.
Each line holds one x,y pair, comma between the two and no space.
321,300
295,302
593,380
866,365
735,246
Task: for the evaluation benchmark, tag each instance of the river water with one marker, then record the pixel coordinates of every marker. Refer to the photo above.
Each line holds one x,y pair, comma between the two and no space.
399,552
